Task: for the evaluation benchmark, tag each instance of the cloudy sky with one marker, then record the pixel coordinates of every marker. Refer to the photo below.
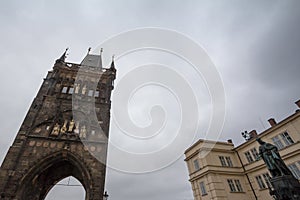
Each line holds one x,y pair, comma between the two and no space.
255,46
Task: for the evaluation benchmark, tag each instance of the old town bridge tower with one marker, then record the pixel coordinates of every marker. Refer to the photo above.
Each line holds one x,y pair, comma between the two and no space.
63,134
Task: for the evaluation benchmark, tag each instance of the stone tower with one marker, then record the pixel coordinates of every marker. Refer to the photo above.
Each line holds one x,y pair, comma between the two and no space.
63,134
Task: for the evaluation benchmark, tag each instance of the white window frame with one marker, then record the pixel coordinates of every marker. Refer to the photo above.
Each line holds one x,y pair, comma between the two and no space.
260,182
277,142
267,179
238,185
223,161
295,170
231,185
254,153
229,161
287,138
249,157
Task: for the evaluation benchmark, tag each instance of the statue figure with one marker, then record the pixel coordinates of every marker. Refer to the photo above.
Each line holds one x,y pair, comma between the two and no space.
71,125
82,132
269,153
76,131
84,89
64,127
55,130
77,86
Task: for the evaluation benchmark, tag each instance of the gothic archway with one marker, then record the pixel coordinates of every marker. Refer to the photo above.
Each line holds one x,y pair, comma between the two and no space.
40,179
68,188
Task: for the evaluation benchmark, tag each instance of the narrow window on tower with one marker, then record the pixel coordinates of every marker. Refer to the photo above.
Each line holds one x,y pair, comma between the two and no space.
96,93
71,90
64,90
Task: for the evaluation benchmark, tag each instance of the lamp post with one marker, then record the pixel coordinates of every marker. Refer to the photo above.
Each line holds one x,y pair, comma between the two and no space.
105,196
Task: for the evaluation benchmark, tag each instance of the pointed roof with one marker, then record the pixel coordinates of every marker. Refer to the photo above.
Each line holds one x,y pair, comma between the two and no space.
112,65
63,57
92,60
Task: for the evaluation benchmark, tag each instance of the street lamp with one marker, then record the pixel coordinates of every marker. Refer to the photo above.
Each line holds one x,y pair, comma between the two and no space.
105,195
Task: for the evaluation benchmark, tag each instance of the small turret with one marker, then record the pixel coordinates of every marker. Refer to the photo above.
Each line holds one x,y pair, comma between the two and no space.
63,56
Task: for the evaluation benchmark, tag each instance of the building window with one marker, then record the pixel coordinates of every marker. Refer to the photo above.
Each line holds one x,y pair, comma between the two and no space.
64,90
267,179
295,170
260,182
255,153
90,94
96,94
203,189
277,142
231,185
196,165
222,160
286,138
71,90
229,162
249,157
238,185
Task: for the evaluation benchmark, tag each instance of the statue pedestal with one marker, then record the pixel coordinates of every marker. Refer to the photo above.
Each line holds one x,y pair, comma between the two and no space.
286,187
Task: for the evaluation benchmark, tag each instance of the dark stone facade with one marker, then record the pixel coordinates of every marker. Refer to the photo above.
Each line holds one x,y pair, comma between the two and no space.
58,137
285,187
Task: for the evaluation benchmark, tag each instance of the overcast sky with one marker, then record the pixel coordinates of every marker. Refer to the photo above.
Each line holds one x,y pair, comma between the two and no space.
255,46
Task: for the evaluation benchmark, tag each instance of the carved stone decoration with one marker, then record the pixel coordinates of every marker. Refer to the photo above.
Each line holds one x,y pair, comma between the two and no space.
55,131
84,90
71,126
64,127
77,87
82,132
76,131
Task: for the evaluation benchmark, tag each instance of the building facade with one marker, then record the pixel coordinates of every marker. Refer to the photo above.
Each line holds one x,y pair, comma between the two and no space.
226,172
63,134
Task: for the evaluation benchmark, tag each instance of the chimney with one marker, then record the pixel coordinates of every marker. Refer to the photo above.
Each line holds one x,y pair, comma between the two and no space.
272,122
229,141
253,134
298,103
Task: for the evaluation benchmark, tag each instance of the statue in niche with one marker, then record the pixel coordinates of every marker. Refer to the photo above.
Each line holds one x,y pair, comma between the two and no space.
84,89
82,132
64,127
77,87
55,130
76,131
71,126
269,153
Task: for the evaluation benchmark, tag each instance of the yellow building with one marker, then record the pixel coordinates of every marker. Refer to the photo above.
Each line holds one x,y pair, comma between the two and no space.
228,172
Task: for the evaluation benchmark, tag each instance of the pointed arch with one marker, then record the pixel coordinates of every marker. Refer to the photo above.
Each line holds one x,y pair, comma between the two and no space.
39,180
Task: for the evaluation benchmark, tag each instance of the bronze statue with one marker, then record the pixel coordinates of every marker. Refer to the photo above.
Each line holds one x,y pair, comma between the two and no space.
269,153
